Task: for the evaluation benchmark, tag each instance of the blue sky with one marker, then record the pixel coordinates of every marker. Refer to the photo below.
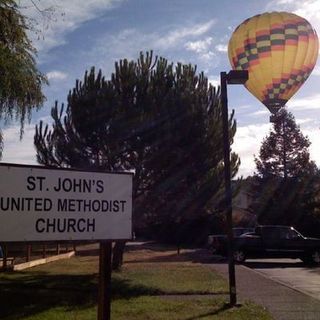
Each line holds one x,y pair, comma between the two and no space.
87,33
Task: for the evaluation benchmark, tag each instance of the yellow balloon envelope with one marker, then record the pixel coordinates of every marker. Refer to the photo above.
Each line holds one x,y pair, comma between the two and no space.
279,50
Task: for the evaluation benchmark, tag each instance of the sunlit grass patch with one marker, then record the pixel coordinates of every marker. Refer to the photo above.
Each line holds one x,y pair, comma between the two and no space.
174,278
154,284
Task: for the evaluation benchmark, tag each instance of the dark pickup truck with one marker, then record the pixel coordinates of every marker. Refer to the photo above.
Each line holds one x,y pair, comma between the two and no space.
217,240
273,242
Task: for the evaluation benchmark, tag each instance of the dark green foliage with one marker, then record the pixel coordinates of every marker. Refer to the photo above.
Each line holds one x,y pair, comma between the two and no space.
75,137
160,120
188,231
291,201
20,80
284,153
285,188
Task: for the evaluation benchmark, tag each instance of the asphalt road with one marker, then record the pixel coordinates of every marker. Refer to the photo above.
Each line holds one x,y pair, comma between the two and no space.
290,272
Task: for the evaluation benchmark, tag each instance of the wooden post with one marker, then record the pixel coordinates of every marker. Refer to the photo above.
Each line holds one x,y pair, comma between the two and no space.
44,251
29,252
58,248
5,255
104,303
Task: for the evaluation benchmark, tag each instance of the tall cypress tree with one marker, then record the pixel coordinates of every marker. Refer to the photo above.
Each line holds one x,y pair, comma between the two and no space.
285,187
284,153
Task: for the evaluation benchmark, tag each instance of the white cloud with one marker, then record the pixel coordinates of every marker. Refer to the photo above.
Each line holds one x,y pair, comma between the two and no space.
207,56
56,75
259,113
245,107
173,38
316,71
307,103
199,46
247,143
309,9
286,2
16,150
221,48
129,42
304,121
67,16
202,48
126,43
21,151
214,81
313,135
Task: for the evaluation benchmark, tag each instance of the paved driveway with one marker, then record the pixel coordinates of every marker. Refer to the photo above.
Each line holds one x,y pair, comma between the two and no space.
290,272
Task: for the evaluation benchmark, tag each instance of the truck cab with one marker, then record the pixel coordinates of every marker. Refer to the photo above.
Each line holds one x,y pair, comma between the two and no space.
276,242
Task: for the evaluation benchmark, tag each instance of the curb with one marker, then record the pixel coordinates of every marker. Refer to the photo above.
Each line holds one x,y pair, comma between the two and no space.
38,262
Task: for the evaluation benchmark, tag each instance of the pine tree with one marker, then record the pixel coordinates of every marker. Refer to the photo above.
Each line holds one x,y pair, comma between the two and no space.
160,120
285,187
284,153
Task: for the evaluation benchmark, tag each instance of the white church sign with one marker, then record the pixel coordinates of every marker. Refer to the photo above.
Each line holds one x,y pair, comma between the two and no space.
42,204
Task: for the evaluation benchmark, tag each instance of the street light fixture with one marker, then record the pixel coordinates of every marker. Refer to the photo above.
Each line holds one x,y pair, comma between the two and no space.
233,77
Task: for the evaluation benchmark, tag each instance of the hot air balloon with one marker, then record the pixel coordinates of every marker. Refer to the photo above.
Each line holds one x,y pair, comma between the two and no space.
279,50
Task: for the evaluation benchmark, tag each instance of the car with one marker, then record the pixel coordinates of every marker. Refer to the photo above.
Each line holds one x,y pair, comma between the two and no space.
215,240
273,241
237,232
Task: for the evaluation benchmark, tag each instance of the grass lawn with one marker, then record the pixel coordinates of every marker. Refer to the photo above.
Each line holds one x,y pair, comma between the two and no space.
155,283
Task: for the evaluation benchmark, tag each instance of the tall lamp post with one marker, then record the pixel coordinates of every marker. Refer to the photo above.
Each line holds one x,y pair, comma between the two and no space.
232,77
